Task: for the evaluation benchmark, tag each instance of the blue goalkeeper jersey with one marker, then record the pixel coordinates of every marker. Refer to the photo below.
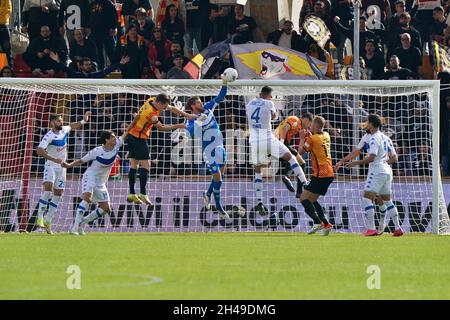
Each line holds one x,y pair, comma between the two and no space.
206,128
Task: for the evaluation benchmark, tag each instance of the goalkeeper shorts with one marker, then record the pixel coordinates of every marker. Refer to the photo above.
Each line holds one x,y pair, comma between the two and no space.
319,185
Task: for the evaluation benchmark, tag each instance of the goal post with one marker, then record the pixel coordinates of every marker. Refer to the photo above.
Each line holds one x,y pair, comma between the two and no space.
178,176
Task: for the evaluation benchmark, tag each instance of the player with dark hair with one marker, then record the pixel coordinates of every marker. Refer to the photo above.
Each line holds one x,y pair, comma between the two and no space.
286,132
53,147
263,144
206,129
139,153
95,178
318,144
381,154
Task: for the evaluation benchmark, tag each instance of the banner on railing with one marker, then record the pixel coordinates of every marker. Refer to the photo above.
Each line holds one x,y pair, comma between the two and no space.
178,206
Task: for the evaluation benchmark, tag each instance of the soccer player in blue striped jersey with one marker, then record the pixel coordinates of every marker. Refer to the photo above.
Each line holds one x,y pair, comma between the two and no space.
53,148
95,178
206,129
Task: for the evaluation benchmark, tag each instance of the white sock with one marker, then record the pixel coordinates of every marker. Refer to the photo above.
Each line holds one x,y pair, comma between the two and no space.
52,207
81,209
297,169
43,203
94,215
383,214
369,211
258,187
394,213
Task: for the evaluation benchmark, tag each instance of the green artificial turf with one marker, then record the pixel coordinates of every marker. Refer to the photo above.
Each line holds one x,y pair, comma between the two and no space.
223,266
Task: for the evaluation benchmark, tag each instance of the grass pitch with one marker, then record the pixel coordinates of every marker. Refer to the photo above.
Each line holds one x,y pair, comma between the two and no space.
223,266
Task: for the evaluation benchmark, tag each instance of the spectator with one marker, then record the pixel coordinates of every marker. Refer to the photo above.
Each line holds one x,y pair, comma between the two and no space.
173,26
163,7
5,40
158,51
37,55
85,68
220,18
207,25
81,47
123,108
364,34
7,72
287,38
421,165
175,49
423,18
374,61
410,57
439,25
73,15
132,45
394,36
308,8
241,27
196,17
396,72
383,5
130,7
394,20
177,71
38,13
144,24
103,28
344,10
319,11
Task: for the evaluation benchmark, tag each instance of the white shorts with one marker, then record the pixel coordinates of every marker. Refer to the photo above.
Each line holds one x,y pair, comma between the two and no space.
262,150
379,183
55,175
97,189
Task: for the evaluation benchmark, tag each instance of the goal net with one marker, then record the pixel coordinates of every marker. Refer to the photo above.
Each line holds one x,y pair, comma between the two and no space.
178,175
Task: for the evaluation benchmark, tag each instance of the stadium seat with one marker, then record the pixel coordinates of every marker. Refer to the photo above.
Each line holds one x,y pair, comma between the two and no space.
20,67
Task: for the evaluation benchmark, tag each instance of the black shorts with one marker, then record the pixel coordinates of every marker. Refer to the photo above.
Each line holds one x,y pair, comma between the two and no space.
138,148
319,185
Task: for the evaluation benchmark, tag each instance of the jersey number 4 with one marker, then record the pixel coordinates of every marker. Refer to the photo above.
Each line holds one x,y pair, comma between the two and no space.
255,115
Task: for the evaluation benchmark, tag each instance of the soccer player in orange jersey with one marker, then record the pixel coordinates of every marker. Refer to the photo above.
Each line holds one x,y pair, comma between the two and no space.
318,144
140,130
286,132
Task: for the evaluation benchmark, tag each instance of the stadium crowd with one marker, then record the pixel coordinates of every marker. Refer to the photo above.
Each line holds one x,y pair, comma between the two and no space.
135,40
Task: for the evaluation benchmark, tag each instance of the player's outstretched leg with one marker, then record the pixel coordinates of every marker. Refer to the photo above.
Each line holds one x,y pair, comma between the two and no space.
216,185
369,212
285,175
207,195
259,192
143,178
132,196
327,227
298,171
43,205
392,209
384,218
52,207
94,215
82,207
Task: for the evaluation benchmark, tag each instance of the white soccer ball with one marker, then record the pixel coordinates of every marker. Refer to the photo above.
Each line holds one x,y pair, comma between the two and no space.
230,75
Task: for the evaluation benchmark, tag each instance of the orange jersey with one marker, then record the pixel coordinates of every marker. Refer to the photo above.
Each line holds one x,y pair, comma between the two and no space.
148,116
295,125
318,145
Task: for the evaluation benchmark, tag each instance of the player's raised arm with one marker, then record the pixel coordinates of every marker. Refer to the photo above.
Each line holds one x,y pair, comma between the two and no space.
79,125
163,127
219,98
88,157
181,113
